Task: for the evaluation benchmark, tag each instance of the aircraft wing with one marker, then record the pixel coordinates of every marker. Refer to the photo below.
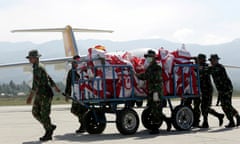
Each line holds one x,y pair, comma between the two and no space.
51,61
230,66
62,30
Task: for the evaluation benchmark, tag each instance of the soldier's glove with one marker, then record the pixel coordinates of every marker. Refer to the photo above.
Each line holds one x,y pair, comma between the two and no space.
156,97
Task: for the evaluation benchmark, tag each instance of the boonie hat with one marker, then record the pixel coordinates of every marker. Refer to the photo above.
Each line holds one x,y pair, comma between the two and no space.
201,56
150,53
213,56
33,53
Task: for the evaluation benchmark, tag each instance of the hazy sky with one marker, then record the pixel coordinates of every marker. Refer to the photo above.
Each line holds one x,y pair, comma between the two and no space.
185,21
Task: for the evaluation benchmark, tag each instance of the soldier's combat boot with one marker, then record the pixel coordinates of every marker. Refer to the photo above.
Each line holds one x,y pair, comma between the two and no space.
238,120
205,124
220,118
46,137
231,124
81,129
169,123
41,138
48,134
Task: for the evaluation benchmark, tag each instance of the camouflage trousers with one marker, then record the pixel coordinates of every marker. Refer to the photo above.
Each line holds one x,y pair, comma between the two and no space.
41,110
226,104
196,110
156,109
206,106
78,110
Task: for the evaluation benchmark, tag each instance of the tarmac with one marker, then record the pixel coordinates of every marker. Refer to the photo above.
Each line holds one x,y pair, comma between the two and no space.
17,126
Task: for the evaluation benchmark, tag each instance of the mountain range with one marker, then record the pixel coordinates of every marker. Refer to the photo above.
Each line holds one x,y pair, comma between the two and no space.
15,52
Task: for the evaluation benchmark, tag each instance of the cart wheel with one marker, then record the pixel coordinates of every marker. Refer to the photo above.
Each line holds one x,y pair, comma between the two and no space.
94,122
147,120
182,117
127,121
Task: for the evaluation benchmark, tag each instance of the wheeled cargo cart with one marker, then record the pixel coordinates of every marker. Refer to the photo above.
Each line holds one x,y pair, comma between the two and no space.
111,89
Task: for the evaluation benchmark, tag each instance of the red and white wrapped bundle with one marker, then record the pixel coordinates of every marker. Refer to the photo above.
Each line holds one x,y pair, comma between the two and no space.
180,56
121,78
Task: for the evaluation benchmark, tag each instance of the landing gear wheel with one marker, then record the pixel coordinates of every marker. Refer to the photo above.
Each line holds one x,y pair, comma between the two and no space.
182,117
127,121
148,120
94,122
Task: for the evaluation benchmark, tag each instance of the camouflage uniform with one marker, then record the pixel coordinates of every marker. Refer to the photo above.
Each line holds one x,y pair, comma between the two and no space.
196,102
207,92
153,75
42,103
225,89
77,109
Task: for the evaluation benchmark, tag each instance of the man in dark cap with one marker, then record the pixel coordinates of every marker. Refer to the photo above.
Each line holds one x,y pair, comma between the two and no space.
206,92
225,89
77,109
153,75
43,95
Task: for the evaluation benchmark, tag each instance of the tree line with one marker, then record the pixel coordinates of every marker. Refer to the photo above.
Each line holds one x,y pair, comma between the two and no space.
14,89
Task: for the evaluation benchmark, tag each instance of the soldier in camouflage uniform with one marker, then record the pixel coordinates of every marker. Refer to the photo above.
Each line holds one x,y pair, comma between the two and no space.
225,89
77,109
195,104
206,92
43,95
153,75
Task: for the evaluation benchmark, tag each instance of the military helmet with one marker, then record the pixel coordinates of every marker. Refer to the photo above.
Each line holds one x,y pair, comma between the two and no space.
33,53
